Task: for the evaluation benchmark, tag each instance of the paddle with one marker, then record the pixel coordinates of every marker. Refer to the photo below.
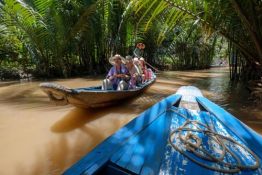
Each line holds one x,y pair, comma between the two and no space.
152,67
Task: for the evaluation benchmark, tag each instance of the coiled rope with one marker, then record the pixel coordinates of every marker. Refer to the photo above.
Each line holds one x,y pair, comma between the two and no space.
193,144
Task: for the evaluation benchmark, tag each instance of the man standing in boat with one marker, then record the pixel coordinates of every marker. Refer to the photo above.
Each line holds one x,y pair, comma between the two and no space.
117,76
139,50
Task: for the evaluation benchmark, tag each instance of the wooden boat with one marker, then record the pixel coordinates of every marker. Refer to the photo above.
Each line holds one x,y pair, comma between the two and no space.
183,134
90,97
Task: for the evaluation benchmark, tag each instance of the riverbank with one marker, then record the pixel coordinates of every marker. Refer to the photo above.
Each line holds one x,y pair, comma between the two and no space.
40,138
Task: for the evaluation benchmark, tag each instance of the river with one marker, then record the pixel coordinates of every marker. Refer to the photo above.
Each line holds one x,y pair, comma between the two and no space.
40,138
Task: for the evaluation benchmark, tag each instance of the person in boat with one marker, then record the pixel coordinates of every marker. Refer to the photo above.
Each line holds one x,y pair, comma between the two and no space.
144,69
135,73
118,76
139,50
137,63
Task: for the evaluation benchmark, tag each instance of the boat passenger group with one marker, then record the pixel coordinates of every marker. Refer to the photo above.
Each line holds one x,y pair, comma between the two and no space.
126,73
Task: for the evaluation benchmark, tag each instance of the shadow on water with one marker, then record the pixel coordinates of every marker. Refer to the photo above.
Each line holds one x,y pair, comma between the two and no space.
61,153
80,130
74,119
77,118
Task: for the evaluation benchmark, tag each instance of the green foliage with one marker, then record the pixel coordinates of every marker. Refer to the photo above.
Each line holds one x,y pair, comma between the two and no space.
238,21
176,35
60,36
9,71
64,38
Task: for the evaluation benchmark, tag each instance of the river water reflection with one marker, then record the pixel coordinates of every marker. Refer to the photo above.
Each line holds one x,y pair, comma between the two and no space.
40,138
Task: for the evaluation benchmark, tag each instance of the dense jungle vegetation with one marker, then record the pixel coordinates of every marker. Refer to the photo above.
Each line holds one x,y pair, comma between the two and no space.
63,38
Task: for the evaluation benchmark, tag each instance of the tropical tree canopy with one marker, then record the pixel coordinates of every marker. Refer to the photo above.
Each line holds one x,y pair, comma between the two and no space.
76,37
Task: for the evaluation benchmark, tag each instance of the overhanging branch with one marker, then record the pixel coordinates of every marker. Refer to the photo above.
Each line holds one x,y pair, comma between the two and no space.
220,31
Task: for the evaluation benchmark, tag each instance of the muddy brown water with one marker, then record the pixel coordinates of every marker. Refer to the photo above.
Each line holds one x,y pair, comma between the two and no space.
40,138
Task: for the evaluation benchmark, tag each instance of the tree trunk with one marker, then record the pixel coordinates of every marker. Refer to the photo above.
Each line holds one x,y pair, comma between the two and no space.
253,33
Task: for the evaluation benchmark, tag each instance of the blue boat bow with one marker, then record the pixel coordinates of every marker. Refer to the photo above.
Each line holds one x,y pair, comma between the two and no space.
184,133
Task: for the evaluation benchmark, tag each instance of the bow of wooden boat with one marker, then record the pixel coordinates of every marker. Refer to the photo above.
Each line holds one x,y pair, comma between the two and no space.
56,93
176,137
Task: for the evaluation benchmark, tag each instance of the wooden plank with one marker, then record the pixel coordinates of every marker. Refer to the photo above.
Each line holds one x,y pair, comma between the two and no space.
174,162
182,163
154,160
177,163
102,153
252,139
135,147
122,157
115,171
146,144
127,149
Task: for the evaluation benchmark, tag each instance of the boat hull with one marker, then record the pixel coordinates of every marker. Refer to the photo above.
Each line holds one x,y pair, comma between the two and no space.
91,97
157,142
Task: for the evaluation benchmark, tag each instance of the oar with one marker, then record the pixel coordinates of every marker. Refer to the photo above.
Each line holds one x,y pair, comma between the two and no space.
152,67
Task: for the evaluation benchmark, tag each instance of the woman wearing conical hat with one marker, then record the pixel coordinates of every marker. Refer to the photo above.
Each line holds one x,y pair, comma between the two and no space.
118,76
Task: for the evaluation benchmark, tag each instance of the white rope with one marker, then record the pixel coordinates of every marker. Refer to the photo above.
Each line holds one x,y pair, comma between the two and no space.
193,144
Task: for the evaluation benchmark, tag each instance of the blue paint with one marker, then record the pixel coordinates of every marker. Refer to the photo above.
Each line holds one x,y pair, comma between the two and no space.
177,163
142,147
103,152
249,136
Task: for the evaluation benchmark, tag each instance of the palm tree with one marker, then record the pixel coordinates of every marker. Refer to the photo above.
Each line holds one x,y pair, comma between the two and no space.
62,36
238,21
